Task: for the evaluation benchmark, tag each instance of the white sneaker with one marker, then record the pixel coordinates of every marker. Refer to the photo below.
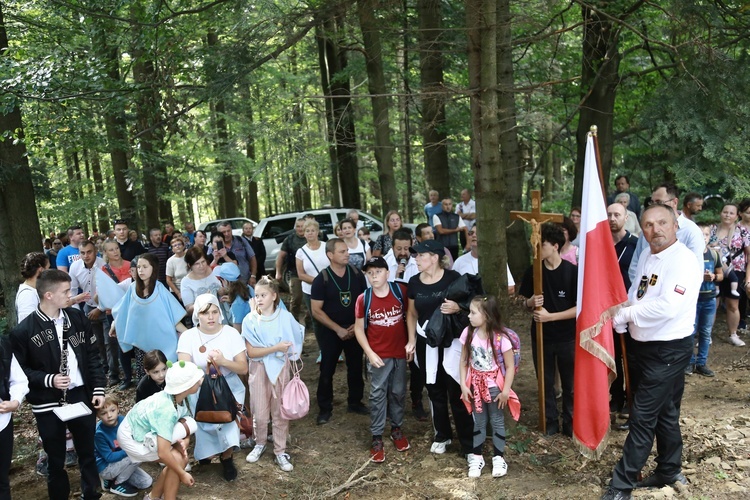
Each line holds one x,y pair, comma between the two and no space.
254,455
439,447
499,467
734,339
476,464
282,460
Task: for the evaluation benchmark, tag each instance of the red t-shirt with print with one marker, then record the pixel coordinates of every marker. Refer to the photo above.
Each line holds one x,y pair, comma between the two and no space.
386,328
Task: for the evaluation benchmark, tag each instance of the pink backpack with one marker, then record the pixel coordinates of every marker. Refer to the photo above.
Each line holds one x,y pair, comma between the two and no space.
295,399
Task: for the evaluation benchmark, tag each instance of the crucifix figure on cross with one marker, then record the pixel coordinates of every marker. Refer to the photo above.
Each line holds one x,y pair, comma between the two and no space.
536,218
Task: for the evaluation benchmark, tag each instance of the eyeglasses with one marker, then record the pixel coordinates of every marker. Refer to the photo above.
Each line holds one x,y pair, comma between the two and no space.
658,202
57,243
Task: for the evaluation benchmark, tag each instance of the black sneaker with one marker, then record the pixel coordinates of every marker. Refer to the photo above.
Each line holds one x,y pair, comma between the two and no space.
124,489
324,417
689,369
659,480
615,494
230,471
358,408
704,370
124,386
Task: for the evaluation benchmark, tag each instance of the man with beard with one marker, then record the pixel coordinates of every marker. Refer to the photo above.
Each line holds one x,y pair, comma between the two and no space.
401,267
625,244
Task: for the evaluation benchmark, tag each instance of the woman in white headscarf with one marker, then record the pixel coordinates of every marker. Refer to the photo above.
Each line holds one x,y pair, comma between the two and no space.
224,347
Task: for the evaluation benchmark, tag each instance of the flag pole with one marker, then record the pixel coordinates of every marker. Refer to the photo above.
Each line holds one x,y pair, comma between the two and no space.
625,369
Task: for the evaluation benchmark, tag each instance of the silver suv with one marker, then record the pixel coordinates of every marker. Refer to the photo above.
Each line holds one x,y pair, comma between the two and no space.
273,230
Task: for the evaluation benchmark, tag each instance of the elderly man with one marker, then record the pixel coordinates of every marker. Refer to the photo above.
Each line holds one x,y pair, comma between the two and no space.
622,185
447,226
660,320
433,207
631,221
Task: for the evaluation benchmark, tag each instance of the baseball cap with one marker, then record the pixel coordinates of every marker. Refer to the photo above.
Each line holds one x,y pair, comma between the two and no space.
229,271
374,262
428,246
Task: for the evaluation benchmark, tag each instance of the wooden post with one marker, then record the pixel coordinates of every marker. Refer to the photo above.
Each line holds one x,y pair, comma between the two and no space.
536,218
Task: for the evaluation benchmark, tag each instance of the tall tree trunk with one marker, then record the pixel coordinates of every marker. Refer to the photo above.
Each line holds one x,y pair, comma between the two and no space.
380,106
301,183
88,189
115,125
599,79
510,156
252,207
149,145
433,97
489,185
19,221
101,212
228,200
344,134
325,52
148,114
405,121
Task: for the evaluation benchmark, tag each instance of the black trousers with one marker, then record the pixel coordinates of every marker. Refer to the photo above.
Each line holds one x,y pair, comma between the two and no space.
416,383
52,432
562,354
330,349
6,455
617,390
656,410
446,393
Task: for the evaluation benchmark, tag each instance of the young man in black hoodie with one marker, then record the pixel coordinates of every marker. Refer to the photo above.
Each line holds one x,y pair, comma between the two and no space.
38,343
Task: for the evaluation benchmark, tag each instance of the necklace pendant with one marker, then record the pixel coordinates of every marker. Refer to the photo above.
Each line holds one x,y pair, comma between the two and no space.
202,349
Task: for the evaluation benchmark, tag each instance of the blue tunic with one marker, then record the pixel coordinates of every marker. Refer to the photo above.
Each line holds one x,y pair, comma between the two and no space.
267,331
148,323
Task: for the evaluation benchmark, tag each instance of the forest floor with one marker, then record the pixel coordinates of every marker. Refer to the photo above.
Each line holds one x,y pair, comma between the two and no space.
333,460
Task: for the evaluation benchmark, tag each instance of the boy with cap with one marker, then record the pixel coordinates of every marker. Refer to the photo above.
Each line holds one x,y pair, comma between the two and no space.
380,328
148,430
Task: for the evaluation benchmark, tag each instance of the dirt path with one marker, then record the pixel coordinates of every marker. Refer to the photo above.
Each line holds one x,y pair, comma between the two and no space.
715,427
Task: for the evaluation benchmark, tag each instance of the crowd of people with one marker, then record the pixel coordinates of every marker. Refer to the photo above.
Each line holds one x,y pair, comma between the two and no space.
108,310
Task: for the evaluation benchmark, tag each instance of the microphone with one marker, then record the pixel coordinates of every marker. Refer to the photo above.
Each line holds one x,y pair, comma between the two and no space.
402,262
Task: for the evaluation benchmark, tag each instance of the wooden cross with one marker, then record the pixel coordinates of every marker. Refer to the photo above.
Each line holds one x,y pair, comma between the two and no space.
536,218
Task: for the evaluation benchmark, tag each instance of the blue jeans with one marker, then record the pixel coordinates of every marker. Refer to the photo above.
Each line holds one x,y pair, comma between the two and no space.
705,313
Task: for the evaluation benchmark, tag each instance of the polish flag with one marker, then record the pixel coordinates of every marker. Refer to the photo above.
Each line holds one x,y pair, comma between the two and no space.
600,294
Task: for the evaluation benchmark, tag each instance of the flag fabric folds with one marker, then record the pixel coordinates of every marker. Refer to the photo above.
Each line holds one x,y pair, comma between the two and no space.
601,293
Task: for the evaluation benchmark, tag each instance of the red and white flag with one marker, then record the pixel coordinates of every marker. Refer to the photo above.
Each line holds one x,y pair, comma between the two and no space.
600,294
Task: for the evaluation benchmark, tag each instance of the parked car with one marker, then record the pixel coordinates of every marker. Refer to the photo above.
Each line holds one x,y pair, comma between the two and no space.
273,230
236,222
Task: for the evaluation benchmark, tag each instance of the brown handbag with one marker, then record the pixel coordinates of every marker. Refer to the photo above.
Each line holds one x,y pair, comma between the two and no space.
216,403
